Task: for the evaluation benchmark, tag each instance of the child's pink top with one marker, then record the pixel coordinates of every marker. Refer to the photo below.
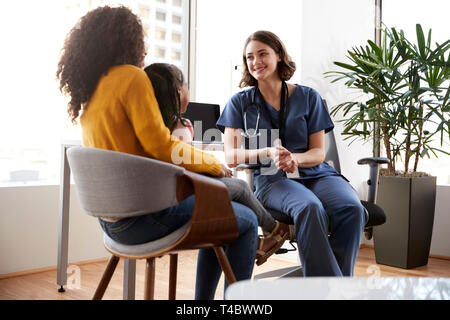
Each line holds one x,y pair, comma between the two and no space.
183,133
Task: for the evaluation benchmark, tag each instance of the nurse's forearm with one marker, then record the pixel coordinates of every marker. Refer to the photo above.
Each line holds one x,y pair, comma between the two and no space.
310,158
233,157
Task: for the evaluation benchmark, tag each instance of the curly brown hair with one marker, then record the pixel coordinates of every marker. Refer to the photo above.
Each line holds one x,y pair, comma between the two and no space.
104,37
286,67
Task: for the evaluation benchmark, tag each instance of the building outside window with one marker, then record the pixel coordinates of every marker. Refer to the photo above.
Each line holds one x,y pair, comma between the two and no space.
160,34
176,19
146,31
160,53
144,12
176,37
176,55
161,16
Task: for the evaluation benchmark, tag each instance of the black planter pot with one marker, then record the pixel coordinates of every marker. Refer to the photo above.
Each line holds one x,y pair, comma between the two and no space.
404,240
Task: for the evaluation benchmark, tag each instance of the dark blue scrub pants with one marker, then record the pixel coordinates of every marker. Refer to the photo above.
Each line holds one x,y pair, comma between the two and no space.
329,221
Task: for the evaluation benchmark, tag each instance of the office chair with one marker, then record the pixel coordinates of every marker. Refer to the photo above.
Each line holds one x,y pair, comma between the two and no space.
118,185
376,213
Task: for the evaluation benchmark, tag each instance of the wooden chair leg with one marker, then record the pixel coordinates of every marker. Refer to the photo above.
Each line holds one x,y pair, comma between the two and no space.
173,276
107,275
149,290
225,264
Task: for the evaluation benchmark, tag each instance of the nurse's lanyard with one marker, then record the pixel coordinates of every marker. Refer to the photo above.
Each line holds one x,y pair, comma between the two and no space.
283,100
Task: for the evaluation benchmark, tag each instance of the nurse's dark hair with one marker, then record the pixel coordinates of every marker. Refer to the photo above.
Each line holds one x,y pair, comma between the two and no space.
286,67
104,37
166,80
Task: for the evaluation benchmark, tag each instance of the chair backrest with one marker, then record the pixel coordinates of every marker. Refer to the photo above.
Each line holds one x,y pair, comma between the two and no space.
331,156
117,185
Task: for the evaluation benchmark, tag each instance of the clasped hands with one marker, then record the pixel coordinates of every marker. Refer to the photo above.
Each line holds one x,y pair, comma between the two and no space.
283,158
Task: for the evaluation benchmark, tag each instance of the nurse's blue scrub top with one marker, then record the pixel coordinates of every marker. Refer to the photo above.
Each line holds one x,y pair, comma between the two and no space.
305,114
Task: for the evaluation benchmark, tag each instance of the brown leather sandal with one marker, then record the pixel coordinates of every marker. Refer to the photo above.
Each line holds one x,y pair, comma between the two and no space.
261,255
291,232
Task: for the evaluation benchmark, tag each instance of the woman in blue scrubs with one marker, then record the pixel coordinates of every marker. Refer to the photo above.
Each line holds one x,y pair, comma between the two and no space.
329,218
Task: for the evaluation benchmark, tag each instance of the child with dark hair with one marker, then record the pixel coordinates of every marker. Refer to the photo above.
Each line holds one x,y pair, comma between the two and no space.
172,94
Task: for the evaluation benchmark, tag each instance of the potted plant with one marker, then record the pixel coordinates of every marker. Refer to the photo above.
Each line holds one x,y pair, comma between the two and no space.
406,108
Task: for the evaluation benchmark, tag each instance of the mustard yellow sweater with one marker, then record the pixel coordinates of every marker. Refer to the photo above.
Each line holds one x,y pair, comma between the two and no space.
123,115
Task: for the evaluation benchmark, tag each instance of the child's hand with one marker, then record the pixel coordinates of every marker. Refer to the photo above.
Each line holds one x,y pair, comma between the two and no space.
225,172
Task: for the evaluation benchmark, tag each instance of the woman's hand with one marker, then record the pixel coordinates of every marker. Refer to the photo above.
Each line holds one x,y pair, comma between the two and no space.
284,160
225,172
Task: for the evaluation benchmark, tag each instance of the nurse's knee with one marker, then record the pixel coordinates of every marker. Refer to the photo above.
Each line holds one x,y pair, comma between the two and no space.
312,210
311,221
357,213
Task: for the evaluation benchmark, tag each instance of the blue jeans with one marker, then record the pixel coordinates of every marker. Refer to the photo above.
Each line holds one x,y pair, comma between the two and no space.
241,253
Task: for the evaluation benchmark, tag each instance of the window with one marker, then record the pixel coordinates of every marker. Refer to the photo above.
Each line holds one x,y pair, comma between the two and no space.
176,3
144,13
147,31
161,16
160,34
176,55
160,53
33,119
176,37
176,19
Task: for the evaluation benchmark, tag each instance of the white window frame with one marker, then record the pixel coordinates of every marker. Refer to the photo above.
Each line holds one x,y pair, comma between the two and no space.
190,42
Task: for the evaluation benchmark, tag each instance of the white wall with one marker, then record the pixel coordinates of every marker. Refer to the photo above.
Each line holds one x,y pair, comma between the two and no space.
330,28
440,241
223,27
29,229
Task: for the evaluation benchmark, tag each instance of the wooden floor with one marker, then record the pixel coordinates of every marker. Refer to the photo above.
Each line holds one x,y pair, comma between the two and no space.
43,285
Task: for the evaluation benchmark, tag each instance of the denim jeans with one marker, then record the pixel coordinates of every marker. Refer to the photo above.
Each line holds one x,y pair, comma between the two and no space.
241,253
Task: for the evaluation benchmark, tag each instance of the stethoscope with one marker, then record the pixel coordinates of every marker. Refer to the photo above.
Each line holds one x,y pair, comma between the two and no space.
252,133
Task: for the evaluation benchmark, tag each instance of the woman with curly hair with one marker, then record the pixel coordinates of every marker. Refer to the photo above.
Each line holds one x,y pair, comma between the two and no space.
99,70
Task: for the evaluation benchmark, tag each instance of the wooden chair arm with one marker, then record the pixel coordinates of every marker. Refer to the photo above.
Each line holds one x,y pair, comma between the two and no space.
213,221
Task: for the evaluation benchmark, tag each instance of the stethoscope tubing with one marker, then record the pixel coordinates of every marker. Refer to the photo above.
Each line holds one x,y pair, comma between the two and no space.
246,132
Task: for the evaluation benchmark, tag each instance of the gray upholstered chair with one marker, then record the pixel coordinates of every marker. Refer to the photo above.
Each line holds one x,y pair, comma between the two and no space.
118,185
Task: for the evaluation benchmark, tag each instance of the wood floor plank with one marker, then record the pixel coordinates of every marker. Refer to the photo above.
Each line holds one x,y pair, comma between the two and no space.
43,285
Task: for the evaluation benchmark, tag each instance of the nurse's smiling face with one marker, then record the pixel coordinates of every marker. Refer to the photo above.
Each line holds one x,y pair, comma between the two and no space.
262,61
